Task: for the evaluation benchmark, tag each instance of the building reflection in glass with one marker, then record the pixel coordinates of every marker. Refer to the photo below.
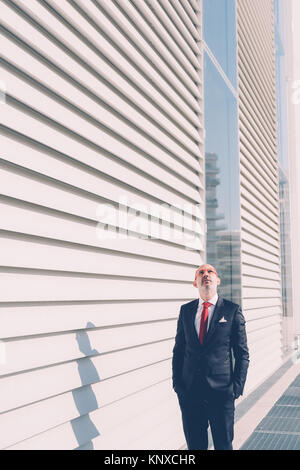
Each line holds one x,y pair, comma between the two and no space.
285,244
222,245
284,182
214,219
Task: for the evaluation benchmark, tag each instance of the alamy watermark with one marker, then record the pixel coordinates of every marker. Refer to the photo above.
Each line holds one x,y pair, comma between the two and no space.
179,223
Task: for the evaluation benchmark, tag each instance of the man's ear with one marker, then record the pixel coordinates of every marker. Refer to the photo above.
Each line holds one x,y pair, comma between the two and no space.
218,281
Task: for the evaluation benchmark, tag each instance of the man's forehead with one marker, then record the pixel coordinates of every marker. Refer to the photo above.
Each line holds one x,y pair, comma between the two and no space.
206,266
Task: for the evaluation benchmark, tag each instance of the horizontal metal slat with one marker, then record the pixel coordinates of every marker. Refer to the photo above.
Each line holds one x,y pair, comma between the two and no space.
73,147
269,360
259,259
249,179
261,226
185,89
107,418
148,9
196,5
150,422
257,336
98,106
260,272
257,69
190,25
17,217
249,100
247,118
33,254
255,82
61,197
43,415
166,434
262,312
268,169
259,347
254,21
92,129
251,158
47,382
254,26
157,37
190,36
36,286
261,215
41,351
264,358
190,12
169,25
249,304
128,190
259,282
251,238
257,375
84,65
252,195
255,292
44,318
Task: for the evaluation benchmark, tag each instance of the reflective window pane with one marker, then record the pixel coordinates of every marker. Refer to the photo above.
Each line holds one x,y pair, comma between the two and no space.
284,182
222,181
219,31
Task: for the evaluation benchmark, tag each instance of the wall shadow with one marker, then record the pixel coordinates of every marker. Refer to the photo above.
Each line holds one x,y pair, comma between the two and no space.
84,397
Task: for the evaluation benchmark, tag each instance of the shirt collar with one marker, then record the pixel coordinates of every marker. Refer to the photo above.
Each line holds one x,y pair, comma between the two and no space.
213,300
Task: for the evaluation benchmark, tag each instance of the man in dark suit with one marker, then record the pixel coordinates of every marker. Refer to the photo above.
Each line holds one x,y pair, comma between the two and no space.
207,377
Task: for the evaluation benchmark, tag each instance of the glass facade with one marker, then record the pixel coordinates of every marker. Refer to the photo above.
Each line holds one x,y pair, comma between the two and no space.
284,184
221,147
219,32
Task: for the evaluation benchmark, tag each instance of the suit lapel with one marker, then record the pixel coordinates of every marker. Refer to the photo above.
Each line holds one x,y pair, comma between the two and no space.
218,312
192,316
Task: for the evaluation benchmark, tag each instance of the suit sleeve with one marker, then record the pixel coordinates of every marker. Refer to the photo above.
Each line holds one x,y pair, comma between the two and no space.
240,353
178,355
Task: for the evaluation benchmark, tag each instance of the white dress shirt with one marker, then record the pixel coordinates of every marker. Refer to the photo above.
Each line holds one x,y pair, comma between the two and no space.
211,309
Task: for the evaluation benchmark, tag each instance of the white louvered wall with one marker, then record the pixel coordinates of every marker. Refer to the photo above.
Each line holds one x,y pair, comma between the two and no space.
103,100
260,231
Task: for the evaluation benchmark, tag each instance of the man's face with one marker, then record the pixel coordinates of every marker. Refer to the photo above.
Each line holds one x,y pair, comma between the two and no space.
206,279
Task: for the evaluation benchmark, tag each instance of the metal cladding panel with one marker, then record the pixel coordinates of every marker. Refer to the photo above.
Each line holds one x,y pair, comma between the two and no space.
260,228
102,109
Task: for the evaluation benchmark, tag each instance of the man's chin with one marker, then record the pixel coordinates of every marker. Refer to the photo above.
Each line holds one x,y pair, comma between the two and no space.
205,289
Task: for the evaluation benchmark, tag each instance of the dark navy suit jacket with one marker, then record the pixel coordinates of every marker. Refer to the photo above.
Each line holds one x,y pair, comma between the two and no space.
222,360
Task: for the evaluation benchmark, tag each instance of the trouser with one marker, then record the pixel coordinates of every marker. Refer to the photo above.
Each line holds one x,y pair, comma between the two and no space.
202,406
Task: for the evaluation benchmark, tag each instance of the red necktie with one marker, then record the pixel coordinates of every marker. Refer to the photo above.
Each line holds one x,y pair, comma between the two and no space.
203,322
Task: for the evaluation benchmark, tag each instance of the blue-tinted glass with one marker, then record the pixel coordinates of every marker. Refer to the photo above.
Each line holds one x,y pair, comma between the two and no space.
284,186
222,181
281,84
219,30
